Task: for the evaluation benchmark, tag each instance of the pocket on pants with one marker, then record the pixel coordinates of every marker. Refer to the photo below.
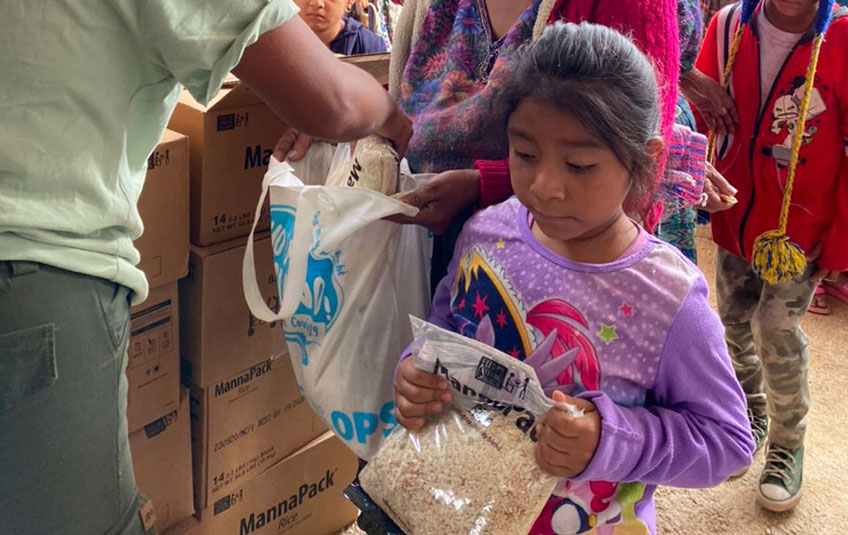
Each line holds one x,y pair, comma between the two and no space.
115,306
27,364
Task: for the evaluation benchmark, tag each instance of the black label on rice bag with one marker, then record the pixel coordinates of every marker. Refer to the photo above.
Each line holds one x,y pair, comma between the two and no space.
491,373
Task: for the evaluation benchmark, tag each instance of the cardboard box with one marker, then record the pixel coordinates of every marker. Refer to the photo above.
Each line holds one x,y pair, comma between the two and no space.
164,210
244,424
153,369
189,526
377,65
232,139
301,495
219,335
162,462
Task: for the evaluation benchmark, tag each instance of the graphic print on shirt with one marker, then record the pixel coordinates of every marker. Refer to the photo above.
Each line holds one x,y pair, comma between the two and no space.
592,508
552,336
579,508
555,339
785,115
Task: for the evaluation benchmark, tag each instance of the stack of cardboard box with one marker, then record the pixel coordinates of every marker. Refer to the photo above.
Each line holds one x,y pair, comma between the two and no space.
238,447
262,462
157,413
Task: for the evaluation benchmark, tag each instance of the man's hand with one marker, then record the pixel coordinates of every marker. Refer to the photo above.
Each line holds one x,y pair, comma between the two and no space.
566,444
292,146
398,129
442,199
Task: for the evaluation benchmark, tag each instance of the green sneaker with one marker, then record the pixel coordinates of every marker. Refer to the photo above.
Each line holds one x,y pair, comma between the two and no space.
759,430
780,482
759,427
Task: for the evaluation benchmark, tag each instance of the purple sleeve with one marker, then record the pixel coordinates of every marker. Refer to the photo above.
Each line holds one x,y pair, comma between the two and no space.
694,430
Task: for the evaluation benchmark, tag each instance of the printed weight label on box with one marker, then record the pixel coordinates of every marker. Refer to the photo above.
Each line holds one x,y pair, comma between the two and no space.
152,333
225,222
237,473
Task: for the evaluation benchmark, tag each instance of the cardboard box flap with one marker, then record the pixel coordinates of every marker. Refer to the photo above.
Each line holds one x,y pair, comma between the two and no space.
170,135
326,436
377,65
218,248
233,94
189,526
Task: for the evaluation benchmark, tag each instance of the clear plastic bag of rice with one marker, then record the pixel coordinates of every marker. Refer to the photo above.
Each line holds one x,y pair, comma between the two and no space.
471,470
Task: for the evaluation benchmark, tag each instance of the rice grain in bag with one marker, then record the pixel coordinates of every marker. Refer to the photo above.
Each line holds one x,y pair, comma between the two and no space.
470,470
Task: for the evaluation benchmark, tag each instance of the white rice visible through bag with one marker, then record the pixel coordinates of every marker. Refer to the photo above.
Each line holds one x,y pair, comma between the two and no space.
468,473
471,470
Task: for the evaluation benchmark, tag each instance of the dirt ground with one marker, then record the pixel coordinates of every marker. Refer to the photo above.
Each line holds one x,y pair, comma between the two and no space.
731,509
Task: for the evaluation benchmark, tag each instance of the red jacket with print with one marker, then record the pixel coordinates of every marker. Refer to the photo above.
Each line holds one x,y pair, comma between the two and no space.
755,157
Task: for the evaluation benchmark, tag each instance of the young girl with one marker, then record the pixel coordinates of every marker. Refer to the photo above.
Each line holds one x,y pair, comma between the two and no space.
651,368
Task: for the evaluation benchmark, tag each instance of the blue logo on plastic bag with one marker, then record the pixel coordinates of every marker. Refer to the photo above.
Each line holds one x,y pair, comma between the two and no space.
282,234
322,295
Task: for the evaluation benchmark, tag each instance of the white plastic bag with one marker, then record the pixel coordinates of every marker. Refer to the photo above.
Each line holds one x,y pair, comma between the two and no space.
471,470
347,281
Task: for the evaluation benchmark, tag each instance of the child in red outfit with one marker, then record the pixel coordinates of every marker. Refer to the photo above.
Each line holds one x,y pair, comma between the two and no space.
768,83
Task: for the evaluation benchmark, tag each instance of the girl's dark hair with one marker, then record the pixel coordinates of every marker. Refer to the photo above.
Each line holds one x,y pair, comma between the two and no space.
600,78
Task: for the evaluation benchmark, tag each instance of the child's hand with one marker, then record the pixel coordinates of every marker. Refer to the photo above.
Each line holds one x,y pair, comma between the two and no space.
566,444
418,393
706,95
719,193
822,273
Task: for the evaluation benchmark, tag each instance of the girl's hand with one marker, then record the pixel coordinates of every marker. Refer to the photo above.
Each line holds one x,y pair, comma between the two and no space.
714,104
567,445
418,393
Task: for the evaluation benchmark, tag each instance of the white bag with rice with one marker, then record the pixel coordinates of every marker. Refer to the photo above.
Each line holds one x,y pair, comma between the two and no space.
347,280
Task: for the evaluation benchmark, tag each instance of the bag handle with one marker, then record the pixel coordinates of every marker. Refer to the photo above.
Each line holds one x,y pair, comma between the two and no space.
300,243
295,279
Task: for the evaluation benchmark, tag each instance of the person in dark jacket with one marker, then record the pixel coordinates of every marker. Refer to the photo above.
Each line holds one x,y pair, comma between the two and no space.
342,34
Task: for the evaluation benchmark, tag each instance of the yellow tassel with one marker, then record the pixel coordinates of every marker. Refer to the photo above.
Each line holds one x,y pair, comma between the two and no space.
776,258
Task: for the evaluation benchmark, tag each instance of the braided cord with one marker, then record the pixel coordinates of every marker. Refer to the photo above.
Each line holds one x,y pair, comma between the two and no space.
801,125
725,83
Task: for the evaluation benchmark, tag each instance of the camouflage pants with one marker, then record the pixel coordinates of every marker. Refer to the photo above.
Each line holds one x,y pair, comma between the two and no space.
769,350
